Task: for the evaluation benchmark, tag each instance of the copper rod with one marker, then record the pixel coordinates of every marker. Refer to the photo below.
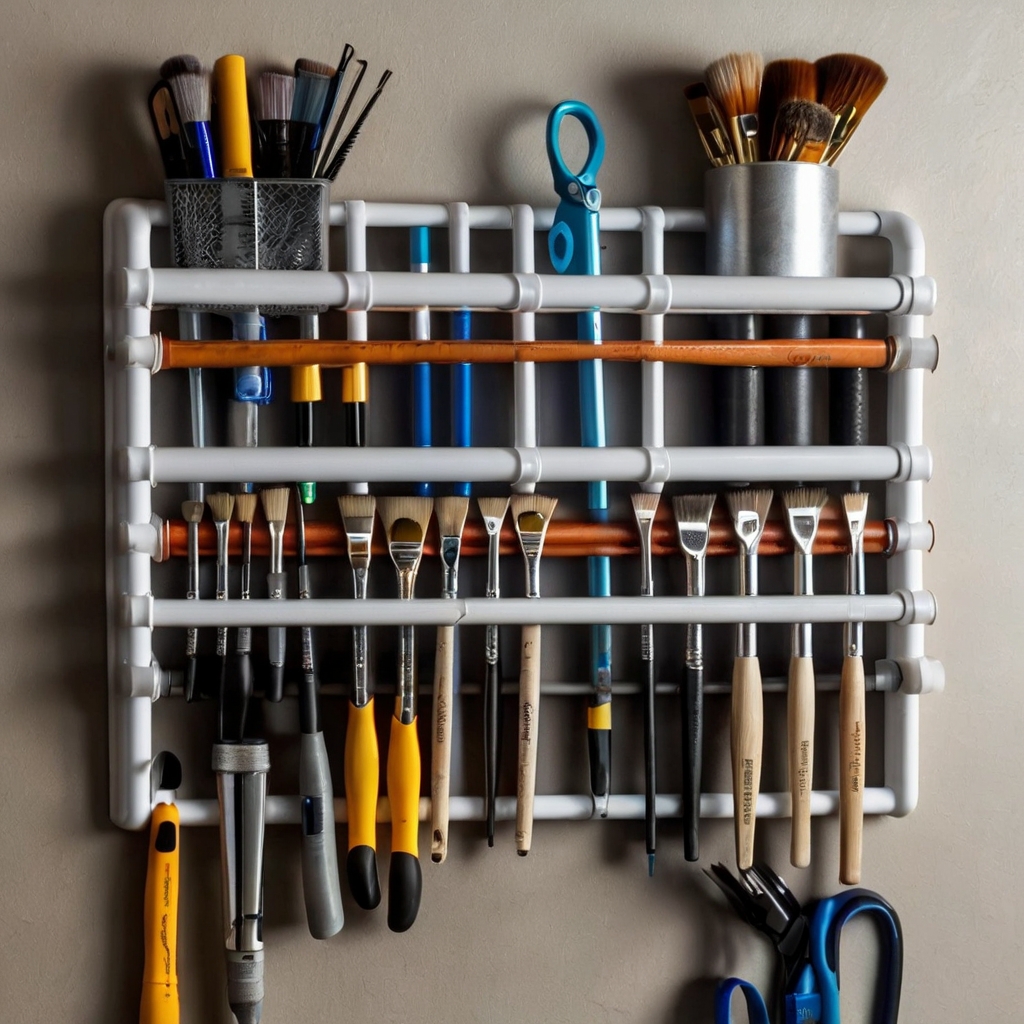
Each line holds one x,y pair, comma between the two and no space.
565,539
837,353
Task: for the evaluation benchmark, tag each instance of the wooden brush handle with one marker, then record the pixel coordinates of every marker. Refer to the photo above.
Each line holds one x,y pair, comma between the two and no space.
747,736
529,706
851,769
801,756
441,743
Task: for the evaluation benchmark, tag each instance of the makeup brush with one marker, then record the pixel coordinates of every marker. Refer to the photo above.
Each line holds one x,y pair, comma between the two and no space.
192,512
190,83
362,759
531,516
451,519
803,511
232,96
405,525
275,508
493,511
328,149
749,510
714,136
782,81
163,115
693,523
312,81
645,506
274,95
851,704
221,507
350,140
848,85
801,131
734,82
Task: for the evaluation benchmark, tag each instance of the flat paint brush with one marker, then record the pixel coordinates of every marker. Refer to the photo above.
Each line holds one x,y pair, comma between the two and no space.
749,510
405,523
782,81
645,506
493,512
232,97
711,130
801,131
693,524
320,885
734,82
803,511
190,83
312,82
362,758
848,85
170,138
221,506
531,516
275,93
451,519
192,513
852,723
275,509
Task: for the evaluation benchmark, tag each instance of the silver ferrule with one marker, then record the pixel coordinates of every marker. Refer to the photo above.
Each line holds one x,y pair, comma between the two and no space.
246,560
358,532
222,559
532,573
695,587
304,593
695,645
853,632
193,561
360,634
803,584
746,632
407,675
450,548
406,556
746,640
243,424
853,639
646,565
493,527
647,642
360,580
242,791
491,645
276,546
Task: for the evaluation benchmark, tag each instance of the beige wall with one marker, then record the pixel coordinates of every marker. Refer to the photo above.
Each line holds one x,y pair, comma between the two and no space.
576,933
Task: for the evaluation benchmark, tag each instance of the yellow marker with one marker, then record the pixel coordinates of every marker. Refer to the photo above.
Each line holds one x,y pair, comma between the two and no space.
160,978
233,116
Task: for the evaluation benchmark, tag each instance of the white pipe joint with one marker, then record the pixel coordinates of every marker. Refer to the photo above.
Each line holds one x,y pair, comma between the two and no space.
913,676
134,287
145,352
915,354
149,681
142,538
906,536
659,468
919,295
529,293
529,470
136,464
659,295
919,608
915,462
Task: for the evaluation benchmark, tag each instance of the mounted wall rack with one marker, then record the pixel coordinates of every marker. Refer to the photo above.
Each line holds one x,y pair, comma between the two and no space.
133,286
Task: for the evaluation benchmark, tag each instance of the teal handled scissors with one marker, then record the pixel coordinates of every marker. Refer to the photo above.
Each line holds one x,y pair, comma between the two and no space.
575,248
807,944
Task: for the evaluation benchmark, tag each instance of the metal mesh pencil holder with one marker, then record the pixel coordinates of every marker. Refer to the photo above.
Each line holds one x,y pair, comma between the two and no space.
250,224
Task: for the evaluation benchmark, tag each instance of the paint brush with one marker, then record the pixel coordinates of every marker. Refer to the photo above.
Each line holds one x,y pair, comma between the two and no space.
451,519
170,138
232,97
851,704
320,885
734,82
493,512
693,524
192,512
749,510
405,525
190,83
275,508
848,85
645,506
801,131
274,96
711,130
782,81
362,758
531,516
221,507
803,511
312,82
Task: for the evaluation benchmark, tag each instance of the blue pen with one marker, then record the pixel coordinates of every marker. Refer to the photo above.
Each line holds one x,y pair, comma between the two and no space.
574,247
422,413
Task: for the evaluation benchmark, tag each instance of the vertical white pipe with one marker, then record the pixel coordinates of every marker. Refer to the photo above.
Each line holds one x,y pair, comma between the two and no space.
652,328
523,329
355,260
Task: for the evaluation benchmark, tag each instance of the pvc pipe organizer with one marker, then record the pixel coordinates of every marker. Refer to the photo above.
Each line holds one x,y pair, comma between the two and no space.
133,286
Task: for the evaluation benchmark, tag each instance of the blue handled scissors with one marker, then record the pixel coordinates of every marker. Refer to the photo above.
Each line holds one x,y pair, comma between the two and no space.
574,245
807,943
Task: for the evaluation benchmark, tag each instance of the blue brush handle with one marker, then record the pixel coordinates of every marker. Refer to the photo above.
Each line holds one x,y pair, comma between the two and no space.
422,408
462,394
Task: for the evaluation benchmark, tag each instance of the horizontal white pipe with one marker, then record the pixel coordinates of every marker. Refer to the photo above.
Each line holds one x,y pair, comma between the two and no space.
526,465
549,611
284,810
644,293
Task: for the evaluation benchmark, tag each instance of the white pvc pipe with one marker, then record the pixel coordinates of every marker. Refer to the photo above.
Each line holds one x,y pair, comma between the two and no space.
524,329
511,465
652,328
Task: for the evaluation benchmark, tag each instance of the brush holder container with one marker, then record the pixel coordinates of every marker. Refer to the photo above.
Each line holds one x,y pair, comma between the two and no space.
250,224
775,219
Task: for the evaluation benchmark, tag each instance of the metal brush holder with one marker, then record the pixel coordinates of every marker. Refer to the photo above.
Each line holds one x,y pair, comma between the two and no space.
774,219
250,224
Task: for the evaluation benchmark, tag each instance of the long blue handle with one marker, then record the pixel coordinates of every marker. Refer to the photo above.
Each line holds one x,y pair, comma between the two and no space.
422,410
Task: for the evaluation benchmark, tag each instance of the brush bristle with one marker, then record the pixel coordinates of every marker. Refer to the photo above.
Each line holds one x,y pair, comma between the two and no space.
756,501
310,90
451,515
734,82
783,80
847,79
183,64
221,505
357,506
245,507
192,511
274,96
804,497
538,505
856,502
192,94
275,503
416,509
800,123
314,67
693,508
493,508
645,502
